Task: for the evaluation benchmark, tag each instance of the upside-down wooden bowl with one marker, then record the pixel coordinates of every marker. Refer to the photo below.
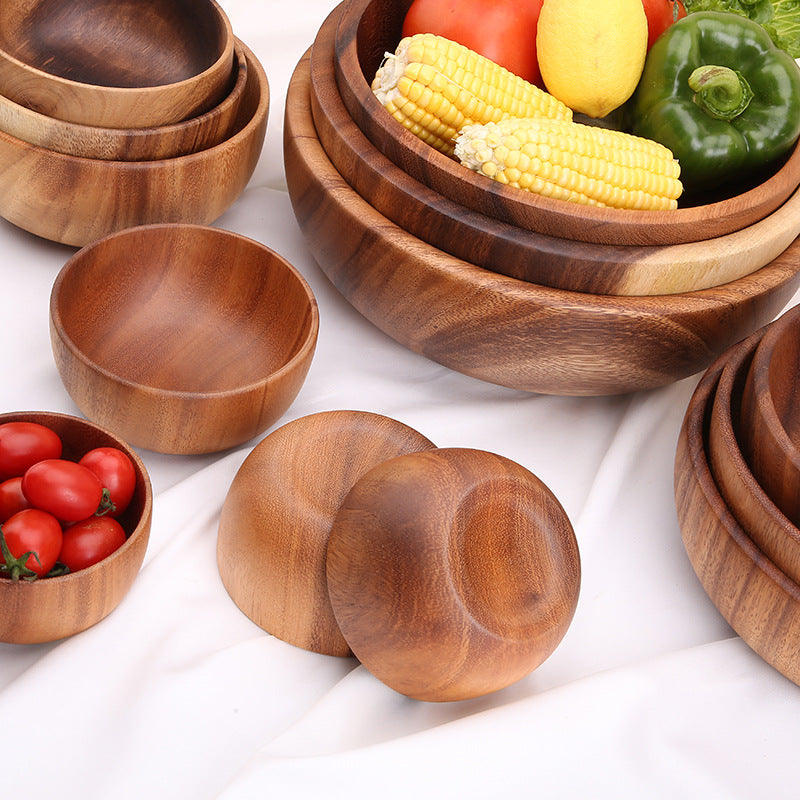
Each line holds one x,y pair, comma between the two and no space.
370,28
497,328
507,249
182,338
126,64
52,608
78,200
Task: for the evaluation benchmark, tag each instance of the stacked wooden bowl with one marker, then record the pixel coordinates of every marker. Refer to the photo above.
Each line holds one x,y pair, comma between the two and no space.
515,289
121,114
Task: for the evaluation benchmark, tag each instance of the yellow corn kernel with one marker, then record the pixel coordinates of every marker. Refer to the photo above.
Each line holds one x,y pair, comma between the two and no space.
570,161
434,86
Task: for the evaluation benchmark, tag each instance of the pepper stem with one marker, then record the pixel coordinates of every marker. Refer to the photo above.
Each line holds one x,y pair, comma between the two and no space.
723,93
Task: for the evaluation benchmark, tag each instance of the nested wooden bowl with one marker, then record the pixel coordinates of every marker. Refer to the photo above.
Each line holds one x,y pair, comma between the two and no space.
52,608
277,516
182,338
78,200
370,28
126,64
452,572
497,328
130,144
501,247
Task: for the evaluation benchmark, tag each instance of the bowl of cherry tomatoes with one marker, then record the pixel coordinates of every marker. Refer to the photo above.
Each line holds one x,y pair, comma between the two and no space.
75,514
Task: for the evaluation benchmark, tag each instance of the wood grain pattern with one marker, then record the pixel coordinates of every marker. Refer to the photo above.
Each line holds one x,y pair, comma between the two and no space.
199,340
452,573
276,519
369,28
52,608
497,328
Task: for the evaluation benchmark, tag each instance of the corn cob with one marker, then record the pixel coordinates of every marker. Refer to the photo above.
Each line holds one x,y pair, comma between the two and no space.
434,86
575,162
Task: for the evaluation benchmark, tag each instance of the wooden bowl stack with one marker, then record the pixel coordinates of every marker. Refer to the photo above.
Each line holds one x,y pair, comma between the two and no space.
519,290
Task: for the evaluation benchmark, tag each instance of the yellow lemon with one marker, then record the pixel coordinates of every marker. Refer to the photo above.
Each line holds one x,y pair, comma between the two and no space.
591,52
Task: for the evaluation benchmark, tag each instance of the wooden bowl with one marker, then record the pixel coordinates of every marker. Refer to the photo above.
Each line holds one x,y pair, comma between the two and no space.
182,338
370,28
130,144
126,64
500,329
52,608
758,600
275,522
452,573
78,200
500,247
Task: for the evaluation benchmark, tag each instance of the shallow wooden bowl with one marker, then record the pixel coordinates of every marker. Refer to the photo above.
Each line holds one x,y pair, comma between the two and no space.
755,597
277,515
52,608
500,329
78,200
129,144
126,64
182,338
500,247
370,28
452,573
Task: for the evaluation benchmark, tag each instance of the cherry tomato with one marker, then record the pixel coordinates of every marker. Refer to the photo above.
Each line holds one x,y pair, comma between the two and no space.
660,15
116,473
68,490
35,532
89,541
12,498
502,30
22,444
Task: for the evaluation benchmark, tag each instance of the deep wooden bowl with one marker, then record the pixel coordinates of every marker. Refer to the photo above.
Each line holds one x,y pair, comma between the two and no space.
452,573
500,329
126,64
78,200
182,338
758,600
52,608
500,247
130,144
277,515
370,28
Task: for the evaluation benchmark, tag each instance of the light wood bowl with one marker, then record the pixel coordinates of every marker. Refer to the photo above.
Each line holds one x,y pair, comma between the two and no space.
126,64
500,247
182,338
277,515
370,28
452,573
497,328
48,609
78,200
129,144
755,597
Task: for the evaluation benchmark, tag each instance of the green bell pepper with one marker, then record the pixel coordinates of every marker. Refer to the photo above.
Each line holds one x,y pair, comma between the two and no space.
717,92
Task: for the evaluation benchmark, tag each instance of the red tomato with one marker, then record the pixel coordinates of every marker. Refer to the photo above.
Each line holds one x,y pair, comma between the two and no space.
33,540
68,490
12,498
22,444
502,30
89,541
116,474
660,15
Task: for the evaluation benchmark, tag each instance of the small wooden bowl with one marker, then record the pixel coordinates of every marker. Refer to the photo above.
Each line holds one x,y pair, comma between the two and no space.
370,28
129,144
117,65
275,522
182,338
758,600
52,608
78,200
503,330
500,247
452,573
